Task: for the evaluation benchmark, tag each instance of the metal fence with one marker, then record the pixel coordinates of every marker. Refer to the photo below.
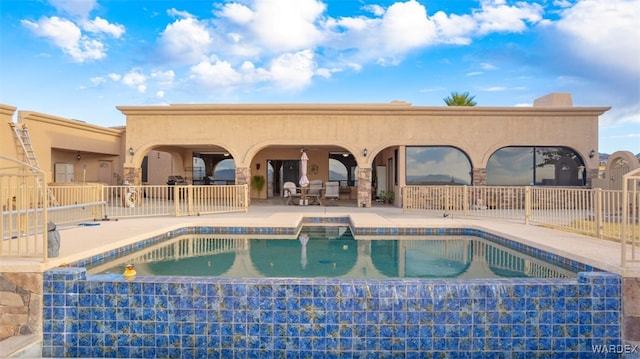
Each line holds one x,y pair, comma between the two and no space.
141,201
630,233
26,210
594,212
94,202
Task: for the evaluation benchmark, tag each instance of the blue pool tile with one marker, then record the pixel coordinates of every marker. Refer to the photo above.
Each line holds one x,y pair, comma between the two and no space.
492,315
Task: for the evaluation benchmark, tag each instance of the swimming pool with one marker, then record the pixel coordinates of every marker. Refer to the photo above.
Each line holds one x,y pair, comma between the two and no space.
199,317
332,252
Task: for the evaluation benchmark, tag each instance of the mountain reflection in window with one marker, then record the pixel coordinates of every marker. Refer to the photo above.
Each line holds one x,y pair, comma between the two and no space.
437,165
540,166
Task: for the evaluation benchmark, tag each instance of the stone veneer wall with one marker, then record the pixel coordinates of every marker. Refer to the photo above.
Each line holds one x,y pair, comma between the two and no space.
479,176
187,317
631,310
20,304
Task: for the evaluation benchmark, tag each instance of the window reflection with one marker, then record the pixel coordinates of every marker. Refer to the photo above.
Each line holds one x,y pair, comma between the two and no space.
540,166
435,165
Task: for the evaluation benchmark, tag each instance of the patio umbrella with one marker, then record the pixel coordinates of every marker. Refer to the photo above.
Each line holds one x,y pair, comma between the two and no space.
304,181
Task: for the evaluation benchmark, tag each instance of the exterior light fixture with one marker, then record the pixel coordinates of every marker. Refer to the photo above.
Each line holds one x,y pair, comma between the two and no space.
78,156
365,152
131,152
345,154
592,153
226,154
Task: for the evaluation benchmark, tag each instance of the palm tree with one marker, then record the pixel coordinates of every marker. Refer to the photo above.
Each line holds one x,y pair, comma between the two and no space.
459,99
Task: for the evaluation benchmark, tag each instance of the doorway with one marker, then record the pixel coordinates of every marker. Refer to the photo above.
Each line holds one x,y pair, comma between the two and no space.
279,172
104,172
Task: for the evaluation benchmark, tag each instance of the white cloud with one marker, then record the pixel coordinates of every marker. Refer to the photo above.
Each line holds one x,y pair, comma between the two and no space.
488,66
173,12
80,8
164,78
495,89
296,36
293,71
496,16
68,37
285,25
377,10
186,41
214,74
406,26
606,28
100,25
237,13
288,72
454,29
114,77
98,80
135,79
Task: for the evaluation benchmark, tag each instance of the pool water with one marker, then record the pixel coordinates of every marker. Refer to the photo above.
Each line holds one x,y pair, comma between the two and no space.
332,252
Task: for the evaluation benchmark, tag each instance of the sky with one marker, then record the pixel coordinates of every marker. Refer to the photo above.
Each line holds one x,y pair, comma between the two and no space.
80,59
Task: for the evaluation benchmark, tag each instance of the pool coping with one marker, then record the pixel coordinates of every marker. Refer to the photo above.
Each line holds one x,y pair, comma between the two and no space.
361,233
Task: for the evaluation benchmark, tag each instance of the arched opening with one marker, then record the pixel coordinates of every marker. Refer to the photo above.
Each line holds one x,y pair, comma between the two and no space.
437,165
539,166
217,168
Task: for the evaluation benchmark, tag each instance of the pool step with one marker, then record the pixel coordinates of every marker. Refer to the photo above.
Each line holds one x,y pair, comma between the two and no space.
328,232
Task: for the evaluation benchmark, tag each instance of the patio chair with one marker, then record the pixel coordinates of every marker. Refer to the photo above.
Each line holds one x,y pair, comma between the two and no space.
332,190
290,192
315,191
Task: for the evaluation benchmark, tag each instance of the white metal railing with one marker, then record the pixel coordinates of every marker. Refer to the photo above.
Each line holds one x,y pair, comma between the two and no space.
140,201
96,201
485,201
595,212
630,231
24,210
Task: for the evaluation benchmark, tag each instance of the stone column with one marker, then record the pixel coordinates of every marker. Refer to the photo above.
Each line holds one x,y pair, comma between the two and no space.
364,187
243,175
592,173
132,175
479,177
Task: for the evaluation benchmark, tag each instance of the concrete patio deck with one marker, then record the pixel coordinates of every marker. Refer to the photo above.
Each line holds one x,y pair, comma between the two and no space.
78,242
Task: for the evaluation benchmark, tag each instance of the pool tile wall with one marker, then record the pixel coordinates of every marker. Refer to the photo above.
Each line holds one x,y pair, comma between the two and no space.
181,317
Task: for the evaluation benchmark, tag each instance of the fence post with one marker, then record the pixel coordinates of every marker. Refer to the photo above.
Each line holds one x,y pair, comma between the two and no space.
176,199
98,190
527,204
598,212
190,199
447,193
245,188
465,200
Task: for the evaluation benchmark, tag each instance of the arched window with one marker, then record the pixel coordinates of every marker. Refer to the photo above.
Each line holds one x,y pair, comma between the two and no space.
225,170
540,166
337,171
436,165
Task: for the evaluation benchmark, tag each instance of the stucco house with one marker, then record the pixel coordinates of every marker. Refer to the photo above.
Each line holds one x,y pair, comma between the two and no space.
367,148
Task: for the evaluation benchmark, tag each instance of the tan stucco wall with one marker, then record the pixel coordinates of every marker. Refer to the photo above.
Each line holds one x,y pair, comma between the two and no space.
7,143
254,133
244,130
60,140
